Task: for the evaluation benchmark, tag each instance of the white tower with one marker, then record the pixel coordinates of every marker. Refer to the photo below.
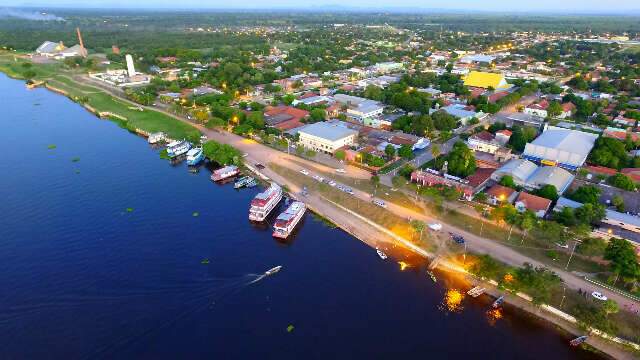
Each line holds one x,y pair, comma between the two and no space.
130,69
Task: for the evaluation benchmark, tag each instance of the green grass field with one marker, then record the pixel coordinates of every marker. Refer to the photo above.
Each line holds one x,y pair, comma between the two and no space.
56,76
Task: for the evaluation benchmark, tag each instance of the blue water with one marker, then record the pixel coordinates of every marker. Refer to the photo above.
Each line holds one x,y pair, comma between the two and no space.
83,278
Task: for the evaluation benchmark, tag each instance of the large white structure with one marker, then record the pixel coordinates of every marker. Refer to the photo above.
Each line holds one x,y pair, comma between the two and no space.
131,70
326,137
562,147
531,177
359,108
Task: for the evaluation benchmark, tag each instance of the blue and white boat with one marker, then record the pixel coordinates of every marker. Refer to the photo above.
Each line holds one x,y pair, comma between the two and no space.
194,156
178,148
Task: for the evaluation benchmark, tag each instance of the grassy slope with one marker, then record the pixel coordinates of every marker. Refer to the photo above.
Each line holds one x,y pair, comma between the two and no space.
150,121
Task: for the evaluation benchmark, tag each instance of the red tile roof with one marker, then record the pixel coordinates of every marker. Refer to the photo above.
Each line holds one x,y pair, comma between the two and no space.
633,173
484,136
601,170
499,191
533,202
295,112
542,105
504,132
497,96
480,177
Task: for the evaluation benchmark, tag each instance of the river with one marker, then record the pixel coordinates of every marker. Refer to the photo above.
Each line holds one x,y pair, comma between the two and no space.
101,256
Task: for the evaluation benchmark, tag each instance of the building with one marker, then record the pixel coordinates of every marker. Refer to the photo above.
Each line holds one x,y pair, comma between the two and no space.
460,111
540,109
359,108
477,59
538,205
562,147
483,141
431,177
499,194
131,70
531,177
486,80
326,137
284,118
389,66
50,48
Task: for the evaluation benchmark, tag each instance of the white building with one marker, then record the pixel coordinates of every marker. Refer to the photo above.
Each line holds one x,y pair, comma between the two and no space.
326,137
359,108
562,147
131,70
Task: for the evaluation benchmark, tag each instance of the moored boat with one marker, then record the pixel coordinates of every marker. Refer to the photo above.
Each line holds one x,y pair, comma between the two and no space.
263,203
243,181
225,173
156,138
194,156
432,276
499,301
579,340
286,222
178,148
381,254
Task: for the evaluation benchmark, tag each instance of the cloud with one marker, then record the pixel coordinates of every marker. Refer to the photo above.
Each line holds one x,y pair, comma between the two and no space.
35,16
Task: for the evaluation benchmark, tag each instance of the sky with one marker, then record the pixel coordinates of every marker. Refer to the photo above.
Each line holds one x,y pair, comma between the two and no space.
576,6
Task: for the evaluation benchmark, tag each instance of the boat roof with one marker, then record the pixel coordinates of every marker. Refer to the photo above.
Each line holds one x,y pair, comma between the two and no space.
263,197
227,168
291,211
193,151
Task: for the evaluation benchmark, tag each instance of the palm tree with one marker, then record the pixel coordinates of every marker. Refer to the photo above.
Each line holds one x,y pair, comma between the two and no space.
418,226
435,150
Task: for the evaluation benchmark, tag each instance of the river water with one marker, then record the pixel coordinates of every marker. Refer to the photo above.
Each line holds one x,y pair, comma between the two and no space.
101,256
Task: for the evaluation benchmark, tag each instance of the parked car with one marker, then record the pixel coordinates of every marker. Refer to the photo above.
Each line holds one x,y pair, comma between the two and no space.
332,183
318,178
599,296
341,171
457,238
435,226
259,166
380,203
304,172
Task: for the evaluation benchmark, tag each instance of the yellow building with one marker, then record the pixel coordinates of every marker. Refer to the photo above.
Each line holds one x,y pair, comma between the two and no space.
485,80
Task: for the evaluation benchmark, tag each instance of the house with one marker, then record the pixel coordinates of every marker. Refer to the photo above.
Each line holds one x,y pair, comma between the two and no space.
432,177
483,141
326,137
538,205
620,134
385,67
503,136
204,90
50,48
460,111
477,59
562,147
284,118
540,109
486,80
359,108
617,220
479,180
530,176
498,194
633,173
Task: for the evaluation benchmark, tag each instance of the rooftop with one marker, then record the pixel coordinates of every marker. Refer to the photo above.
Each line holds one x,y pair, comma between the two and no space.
328,131
485,80
533,202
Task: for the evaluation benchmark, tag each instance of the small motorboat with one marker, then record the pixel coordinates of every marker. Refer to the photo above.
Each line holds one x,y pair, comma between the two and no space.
499,301
579,340
432,276
273,270
382,255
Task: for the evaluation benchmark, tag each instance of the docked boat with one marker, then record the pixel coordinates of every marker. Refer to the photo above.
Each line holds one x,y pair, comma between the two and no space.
499,301
156,138
263,203
288,219
252,183
194,156
432,276
381,254
579,340
178,148
225,173
243,181
476,291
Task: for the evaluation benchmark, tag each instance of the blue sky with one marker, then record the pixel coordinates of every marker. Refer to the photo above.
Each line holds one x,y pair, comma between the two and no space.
597,6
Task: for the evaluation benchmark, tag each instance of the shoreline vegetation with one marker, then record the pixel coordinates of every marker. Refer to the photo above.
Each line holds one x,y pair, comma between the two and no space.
145,121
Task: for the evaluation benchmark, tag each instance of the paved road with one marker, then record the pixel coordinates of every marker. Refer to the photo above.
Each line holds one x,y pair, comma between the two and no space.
263,154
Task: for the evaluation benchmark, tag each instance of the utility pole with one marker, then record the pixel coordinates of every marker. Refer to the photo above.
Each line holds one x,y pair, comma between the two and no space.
575,244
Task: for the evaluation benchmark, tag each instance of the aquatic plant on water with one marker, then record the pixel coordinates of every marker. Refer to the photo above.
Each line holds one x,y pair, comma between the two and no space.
164,154
75,159
196,214
51,147
129,210
290,328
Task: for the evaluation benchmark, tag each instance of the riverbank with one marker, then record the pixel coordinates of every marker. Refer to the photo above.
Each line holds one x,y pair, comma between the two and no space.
357,227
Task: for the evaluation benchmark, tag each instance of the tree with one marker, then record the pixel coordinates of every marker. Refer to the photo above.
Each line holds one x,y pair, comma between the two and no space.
375,180
390,151
554,109
288,99
507,181
548,191
586,194
222,154
610,307
624,261
538,282
618,202
317,115
622,181
461,161
592,247
590,213
374,93
435,150
340,154
405,152
418,226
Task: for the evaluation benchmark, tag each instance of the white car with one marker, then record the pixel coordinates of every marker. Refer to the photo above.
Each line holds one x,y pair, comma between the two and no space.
564,246
341,171
332,183
380,203
245,155
435,226
304,172
599,296
318,178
